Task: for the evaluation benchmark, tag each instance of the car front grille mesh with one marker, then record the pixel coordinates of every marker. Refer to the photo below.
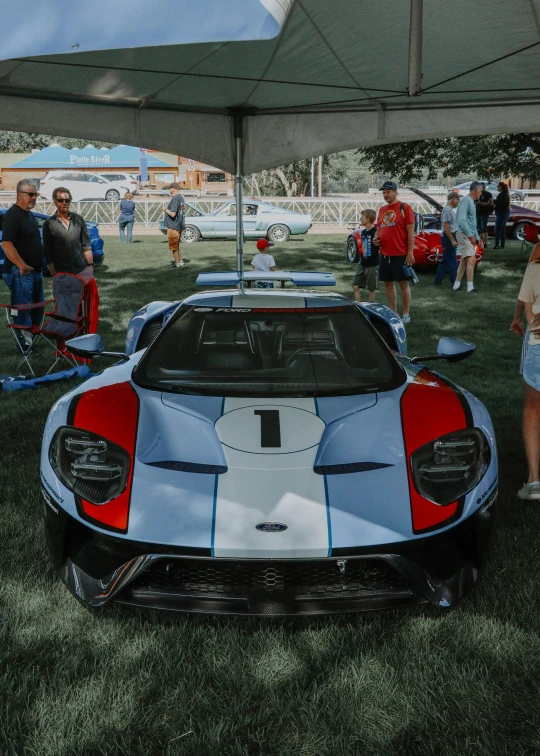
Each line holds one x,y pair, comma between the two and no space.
294,578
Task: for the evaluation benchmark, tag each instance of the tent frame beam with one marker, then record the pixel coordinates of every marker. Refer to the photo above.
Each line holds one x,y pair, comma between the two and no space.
238,121
415,48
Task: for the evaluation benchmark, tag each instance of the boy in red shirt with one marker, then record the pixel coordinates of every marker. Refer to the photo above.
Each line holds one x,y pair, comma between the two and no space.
395,234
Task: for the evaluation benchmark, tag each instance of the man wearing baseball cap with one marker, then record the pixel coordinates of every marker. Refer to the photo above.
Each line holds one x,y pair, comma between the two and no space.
448,265
264,262
395,234
174,223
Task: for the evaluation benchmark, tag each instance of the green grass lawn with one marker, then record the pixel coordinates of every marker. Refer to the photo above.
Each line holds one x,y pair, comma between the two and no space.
124,681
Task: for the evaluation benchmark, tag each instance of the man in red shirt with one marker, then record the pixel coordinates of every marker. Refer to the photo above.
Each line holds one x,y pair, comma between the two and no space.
395,234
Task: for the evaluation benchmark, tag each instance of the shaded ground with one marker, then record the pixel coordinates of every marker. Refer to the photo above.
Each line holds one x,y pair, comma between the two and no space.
414,682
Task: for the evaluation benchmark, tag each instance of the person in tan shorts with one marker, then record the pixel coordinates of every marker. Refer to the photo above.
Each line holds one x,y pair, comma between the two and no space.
173,219
467,236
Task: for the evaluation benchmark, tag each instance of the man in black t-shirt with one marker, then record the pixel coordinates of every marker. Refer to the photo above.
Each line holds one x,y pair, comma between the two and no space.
21,242
484,206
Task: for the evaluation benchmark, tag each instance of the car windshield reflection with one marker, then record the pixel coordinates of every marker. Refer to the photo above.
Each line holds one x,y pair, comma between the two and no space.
269,352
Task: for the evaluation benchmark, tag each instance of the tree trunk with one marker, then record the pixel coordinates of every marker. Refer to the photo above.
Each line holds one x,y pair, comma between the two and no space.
281,176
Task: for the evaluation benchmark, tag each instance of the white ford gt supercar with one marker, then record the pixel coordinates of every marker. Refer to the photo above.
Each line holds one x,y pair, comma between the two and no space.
268,451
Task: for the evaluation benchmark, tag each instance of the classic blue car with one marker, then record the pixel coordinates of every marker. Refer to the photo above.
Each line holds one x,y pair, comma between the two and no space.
268,451
95,239
260,220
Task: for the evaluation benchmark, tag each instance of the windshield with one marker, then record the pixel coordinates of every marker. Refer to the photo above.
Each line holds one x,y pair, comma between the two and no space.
269,352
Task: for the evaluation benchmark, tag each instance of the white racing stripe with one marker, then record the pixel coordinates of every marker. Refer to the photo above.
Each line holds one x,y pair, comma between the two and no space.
270,484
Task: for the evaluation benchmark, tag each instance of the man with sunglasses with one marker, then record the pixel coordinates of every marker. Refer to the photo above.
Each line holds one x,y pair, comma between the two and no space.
66,239
22,268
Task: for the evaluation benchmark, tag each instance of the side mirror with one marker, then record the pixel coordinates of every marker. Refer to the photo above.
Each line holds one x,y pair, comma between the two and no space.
454,350
90,345
451,350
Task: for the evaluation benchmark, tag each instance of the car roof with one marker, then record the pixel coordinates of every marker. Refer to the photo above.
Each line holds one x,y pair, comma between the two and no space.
246,201
272,298
72,170
3,211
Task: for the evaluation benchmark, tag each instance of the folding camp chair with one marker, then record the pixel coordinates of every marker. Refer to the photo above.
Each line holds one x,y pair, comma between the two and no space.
530,238
91,303
67,320
26,332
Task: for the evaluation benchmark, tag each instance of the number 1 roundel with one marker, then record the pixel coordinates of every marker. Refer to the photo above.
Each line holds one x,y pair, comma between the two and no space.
270,429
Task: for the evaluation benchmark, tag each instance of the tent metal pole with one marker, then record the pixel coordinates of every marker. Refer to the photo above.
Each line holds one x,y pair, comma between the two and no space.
415,48
238,146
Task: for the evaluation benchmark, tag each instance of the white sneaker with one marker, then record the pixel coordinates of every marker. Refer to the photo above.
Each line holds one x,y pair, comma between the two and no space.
406,318
180,264
530,491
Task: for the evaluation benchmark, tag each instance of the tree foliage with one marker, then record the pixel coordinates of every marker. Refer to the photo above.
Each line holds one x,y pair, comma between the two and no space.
20,141
494,156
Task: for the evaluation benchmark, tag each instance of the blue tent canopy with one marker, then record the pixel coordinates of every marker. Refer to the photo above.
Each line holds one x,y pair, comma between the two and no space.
88,157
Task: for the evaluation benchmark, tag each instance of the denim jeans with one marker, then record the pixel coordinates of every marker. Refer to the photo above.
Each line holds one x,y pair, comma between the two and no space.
500,227
128,226
482,222
449,264
26,289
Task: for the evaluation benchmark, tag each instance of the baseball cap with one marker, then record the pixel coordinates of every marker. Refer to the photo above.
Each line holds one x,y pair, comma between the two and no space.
453,195
389,185
263,244
174,186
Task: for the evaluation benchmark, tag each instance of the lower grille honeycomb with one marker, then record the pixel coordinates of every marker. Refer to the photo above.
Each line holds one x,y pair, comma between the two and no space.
296,579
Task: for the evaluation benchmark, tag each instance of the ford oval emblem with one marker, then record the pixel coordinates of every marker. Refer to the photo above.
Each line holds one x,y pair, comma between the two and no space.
271,527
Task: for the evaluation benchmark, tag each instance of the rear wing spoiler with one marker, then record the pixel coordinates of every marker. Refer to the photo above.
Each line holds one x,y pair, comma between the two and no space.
298,278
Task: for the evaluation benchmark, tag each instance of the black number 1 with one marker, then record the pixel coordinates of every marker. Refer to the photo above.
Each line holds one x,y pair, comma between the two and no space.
270,430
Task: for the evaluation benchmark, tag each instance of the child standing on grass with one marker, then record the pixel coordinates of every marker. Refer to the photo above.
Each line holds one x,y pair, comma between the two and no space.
367,267
264,262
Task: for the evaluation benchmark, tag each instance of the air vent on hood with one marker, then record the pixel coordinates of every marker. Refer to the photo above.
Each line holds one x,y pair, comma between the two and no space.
352,467
191,467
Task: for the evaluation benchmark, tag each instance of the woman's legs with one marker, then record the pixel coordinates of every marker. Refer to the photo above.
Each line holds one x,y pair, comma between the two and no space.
121,229
498,227
531,431
504,219
129,230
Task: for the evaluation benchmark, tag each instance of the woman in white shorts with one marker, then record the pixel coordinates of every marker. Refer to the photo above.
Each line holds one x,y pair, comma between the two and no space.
529,301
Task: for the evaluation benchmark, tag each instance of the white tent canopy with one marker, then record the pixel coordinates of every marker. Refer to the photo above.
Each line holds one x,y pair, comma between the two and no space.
340,74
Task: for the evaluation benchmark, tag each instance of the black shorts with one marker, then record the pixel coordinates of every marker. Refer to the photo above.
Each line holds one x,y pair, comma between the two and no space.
391,268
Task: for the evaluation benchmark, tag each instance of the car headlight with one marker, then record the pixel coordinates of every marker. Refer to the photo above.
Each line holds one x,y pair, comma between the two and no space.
92,467
448,467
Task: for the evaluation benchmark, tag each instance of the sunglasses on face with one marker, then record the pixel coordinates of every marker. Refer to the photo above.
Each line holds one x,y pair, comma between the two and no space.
62,201
30,194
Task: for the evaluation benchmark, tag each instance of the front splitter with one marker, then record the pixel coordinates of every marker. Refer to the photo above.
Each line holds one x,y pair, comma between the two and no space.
120,583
